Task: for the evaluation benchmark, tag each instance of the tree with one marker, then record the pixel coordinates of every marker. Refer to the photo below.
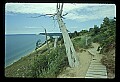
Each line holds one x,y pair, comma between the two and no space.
83,32
91,29
70,51
47,40
75,33
71,54
96,29
107,33
106,21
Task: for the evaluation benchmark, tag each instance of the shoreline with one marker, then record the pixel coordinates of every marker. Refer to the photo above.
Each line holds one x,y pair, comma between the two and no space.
17,59
27,54
17,53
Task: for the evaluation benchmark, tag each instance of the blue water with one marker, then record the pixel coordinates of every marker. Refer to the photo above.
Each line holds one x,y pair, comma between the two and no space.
17,46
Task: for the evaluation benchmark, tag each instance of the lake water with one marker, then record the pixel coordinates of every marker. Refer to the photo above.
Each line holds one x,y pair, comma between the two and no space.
19,45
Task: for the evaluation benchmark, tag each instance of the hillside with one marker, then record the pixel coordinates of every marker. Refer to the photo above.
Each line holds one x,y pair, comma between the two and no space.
54,64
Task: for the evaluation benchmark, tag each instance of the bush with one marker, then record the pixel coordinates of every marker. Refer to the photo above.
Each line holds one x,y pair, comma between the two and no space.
81,43
109,62
49,66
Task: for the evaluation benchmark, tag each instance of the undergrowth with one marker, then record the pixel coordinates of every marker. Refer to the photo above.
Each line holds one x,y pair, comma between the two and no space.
80,42
49,66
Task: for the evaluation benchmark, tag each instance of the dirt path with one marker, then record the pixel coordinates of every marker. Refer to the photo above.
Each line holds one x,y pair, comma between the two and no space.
79,72
97,56
96,69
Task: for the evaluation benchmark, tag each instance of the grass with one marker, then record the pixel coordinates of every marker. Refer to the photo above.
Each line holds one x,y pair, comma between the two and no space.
49,66
44,65
21,67
39,64
80,42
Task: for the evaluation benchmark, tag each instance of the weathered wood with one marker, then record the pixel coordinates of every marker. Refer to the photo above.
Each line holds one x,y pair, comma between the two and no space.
47,41
96,69
55,42
86,43
70,51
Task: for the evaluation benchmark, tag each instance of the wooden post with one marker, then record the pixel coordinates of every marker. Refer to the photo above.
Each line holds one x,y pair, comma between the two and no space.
46,40
86,41
70,51
55,42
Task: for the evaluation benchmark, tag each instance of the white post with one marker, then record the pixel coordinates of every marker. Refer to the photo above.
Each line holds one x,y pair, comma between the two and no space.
86,41
71,54
55,42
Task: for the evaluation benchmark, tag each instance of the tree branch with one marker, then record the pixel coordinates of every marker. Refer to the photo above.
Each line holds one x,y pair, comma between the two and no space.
37,16
43,15
61,9
64,14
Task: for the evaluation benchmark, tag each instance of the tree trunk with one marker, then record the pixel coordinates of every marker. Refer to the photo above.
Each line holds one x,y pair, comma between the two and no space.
70,51
47,41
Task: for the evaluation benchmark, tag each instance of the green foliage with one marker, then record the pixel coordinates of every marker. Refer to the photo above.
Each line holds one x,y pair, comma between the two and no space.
49,66
61,40
60,37
51,39
109,62
106,22
91,29
75,33
83,32
80,42
98,38
105,35
72,35
106,38
96,29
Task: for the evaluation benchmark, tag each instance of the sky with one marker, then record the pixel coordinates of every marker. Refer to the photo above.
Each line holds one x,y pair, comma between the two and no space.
81,16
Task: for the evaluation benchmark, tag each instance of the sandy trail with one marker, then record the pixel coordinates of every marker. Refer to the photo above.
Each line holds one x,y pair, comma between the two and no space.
85,59
97,56
78,72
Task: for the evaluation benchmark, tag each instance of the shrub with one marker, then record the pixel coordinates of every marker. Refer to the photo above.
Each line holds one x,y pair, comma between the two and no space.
109,62
49,66
81,43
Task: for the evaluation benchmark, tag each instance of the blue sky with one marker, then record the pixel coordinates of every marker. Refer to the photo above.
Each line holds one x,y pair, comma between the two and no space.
80,16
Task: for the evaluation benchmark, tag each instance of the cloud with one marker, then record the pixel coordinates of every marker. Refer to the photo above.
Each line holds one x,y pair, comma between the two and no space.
30,8
92,12
73,28
32,27
79,12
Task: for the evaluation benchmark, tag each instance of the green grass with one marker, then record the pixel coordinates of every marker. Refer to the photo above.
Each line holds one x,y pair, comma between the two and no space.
80,42
39,65
42,64
49,66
